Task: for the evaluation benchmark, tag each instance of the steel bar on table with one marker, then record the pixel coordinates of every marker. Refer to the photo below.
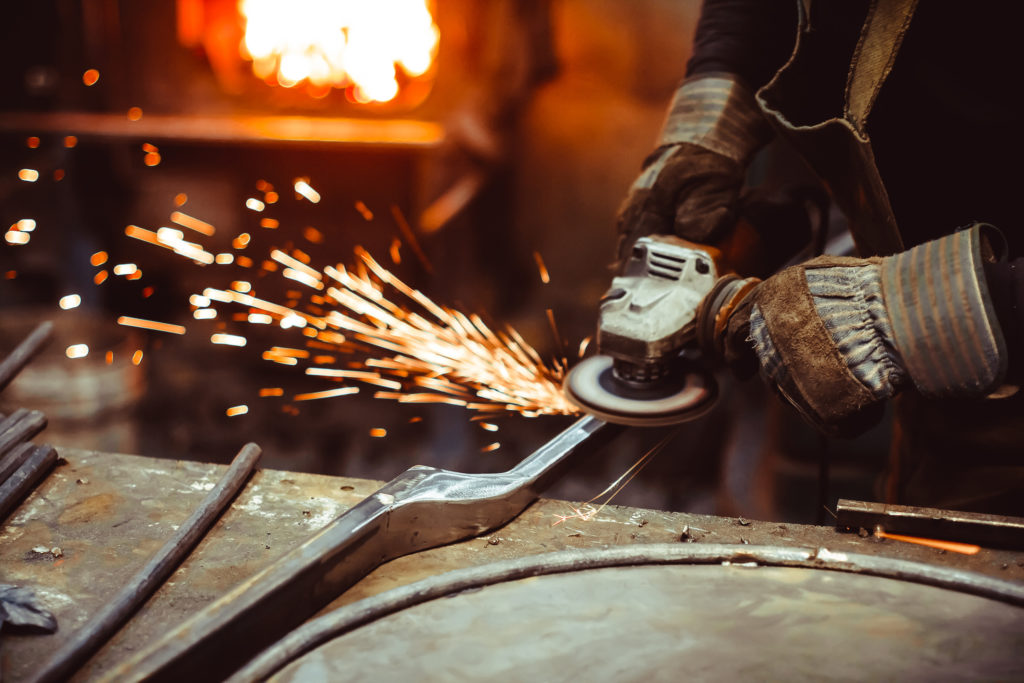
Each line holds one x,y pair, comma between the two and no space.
24,352
84,643
21,425
10,463
25,478
951,525
422,508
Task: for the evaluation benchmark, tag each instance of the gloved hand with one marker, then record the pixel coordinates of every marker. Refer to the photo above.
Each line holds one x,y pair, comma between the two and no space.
691,183
838,336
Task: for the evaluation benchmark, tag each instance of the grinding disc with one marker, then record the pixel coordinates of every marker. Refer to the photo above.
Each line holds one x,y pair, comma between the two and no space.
593,387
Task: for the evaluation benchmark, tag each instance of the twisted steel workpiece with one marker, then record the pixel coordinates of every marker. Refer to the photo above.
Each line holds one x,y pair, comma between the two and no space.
422,508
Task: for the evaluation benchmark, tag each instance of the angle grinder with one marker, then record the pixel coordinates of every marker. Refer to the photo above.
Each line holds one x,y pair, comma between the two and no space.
647,371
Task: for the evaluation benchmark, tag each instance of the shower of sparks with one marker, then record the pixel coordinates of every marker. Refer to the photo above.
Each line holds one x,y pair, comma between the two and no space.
77,351
302,187
541,268
588,510
150,325
70,301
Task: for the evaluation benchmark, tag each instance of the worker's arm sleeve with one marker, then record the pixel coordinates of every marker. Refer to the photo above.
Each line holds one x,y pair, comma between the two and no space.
1006,287
749,38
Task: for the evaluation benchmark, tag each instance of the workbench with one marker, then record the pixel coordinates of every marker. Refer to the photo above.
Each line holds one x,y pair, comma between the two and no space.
99,517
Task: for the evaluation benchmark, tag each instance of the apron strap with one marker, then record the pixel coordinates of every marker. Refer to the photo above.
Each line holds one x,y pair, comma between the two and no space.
880,39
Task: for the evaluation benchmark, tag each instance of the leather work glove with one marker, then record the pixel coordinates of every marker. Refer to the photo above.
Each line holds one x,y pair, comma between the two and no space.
691,183
837,336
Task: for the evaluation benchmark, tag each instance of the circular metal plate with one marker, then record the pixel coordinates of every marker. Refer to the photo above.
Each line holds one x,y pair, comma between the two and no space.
682,622
593,388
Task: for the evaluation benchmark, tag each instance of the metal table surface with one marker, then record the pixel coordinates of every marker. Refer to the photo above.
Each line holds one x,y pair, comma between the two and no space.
99,517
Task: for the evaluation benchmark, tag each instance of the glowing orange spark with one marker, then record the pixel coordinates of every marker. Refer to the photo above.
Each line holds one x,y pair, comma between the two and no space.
180,199
90,77
330,393
237,410
70,301
186,221
276,391
70,141
134,114
128,321
32,142
491,447
541,268
17,237
98,259
151,159
304,189
254,204
224,259
364,211
241,242
125,269
313,235
228,339
29,175
100,277
489,427
269,223
25,225
109,357
270,197
58,175
962,548
137,357
378,432
77,351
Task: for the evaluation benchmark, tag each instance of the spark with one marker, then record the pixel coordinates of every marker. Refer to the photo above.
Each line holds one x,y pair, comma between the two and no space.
260,319
29,175
241,242
25,225
58,175
199,301
395,251
303,188
180,199
378,432
32,142
269,223
237,410
125,269
70,301
241,286
17,237
151,159
489,427
134,113
491,447
77,351
204,313
275,391
952,546
254,204
137,357
128,321
100,277
193,223
90,77
98,259
364,211
225,259
270,197
330,393
109,357
70,141
588,511
541,268
228,339
313,235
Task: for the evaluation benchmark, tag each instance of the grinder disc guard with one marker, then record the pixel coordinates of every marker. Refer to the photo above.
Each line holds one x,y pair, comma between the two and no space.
593,387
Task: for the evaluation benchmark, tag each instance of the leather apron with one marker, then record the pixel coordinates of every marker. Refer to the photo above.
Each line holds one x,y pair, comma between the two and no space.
956,454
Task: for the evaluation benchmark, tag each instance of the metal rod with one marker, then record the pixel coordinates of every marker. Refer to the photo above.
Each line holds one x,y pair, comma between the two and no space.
24,352
22,425
25,478
15,459
951,525
422,508
85,642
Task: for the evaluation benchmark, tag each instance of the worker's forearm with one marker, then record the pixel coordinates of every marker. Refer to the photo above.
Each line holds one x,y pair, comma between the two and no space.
749,38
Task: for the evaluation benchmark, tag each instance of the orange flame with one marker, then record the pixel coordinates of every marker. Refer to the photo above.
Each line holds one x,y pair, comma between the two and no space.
362,44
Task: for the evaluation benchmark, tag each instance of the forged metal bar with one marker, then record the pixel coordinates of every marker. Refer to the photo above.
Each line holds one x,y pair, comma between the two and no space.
120,609
15,459
951,525
24,352
26,477
20,426
318,631
422,508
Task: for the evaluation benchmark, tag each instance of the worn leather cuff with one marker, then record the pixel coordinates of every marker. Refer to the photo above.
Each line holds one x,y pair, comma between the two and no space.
717,112
943,320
